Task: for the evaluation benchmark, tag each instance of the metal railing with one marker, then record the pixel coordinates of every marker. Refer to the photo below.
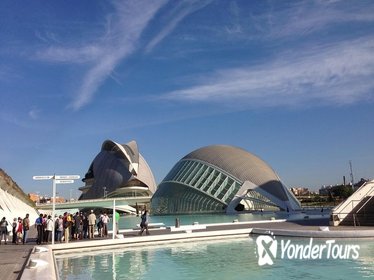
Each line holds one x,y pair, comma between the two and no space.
341,213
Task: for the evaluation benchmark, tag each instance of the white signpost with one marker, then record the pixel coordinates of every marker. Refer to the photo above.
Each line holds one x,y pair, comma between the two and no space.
46,177
56,179
64,181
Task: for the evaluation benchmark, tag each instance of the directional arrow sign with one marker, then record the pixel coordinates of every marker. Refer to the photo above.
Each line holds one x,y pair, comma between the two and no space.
67,177
64,181
44,177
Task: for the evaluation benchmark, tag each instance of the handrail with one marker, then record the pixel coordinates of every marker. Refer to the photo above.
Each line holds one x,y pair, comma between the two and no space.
337,211
356,217
365,202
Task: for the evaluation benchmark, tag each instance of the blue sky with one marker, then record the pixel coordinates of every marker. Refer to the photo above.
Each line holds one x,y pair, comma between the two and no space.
292,82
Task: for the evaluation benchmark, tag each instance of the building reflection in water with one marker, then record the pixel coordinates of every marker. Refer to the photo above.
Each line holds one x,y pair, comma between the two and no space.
99,265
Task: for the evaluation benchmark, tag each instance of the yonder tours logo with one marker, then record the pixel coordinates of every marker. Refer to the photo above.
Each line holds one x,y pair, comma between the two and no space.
267,250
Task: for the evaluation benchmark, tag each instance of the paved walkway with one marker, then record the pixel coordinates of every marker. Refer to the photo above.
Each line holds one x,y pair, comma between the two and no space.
14,257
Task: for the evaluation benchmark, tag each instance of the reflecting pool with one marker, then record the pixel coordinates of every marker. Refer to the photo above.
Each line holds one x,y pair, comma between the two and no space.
128,222
227,259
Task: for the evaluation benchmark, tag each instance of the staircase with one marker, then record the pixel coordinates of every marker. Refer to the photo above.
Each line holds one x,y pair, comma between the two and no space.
356,210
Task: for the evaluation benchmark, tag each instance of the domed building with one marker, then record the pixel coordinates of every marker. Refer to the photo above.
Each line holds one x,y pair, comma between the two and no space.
119,170
221,178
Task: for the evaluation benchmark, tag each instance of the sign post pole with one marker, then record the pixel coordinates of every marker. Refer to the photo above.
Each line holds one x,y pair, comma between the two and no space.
53,209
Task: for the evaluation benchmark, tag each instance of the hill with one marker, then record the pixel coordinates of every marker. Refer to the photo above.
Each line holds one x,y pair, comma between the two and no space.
7,184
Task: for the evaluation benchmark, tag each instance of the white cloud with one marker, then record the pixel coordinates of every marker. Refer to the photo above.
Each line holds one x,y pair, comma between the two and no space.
305,17
337,74
34,113
182,9
82,54
120,42
102,56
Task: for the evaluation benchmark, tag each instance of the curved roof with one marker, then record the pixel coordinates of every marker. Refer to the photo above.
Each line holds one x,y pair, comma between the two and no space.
118,166
129,150
236,161
243,176
145,174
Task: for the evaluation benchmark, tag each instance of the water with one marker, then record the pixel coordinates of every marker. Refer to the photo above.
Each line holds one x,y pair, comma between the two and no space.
128,222
225,259
229,259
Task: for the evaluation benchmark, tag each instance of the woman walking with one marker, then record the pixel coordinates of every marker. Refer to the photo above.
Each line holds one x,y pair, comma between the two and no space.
14,230
19,231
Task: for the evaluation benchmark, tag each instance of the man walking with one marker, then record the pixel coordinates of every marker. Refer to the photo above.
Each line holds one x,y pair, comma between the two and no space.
39,228
91,224
26,227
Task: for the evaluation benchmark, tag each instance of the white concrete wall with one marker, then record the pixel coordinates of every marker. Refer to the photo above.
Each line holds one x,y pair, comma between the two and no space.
12,207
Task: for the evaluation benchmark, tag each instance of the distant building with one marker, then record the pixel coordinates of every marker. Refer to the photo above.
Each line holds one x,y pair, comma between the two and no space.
45,199
299,191
34,197
221,178
325,190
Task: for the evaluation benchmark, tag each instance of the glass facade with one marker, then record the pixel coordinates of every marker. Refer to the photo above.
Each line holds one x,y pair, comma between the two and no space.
194,187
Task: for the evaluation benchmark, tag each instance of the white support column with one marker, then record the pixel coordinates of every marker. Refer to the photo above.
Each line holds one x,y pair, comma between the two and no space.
53,208
114,219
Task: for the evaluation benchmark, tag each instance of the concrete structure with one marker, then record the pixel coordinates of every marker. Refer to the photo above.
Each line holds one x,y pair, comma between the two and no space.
41,263
221,178
119,170
358,209
12,207
122,204
14,202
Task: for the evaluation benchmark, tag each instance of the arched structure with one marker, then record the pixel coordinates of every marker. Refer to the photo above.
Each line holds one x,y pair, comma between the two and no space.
119,170
221,178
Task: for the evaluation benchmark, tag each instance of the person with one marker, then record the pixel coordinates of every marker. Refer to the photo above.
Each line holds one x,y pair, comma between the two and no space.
144,223
80,226
91,224
49,228
3,230
100,227
44,223
59,225
26,227
85,225
39,228
77,223
14,230
117,216
105,219
67,226
19,231
72,226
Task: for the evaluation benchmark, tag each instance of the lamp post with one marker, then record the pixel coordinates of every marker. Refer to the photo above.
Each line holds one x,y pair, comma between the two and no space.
56,179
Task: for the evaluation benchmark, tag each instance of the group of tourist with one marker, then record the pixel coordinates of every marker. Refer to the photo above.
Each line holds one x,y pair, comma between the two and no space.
67,227
20,228
70,226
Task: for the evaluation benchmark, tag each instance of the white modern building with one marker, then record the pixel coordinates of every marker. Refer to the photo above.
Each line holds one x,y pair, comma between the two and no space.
118,170
221,178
